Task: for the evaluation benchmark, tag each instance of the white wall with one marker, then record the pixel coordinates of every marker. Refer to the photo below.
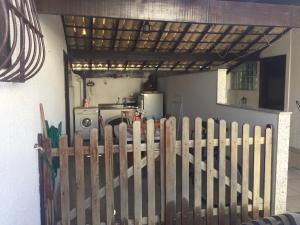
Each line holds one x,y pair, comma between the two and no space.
289,45
198,95
75,97
294,93
20,124
107,90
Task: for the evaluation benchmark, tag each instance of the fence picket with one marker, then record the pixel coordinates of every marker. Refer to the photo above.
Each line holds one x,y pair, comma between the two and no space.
79,176
233,174
268,172
123,172
64,179
185,171
109,175
197,172
170,171
245,173
137,173
94,170
256,172
151,172
209,172
222,171
168,149
162,170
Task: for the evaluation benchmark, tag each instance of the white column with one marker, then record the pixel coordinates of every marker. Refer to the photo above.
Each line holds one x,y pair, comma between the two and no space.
222,87
281,157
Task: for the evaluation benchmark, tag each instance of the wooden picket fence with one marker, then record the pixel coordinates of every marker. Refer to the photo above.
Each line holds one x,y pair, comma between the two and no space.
168,182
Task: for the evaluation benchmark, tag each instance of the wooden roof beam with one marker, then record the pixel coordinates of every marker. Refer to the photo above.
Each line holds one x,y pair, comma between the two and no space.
200,11
114,35
143,56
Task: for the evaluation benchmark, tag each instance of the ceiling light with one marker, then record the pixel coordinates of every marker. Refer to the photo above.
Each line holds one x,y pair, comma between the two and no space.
84,32
90,83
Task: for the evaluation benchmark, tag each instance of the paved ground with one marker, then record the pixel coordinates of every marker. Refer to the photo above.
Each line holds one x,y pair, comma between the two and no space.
293,194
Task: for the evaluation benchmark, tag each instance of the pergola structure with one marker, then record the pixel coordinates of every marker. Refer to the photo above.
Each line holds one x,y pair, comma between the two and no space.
142,45
181,35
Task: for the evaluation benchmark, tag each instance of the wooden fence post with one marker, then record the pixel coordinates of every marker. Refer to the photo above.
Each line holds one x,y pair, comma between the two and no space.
79,176
64,179
185,164
198,172
95,202
123,172
109,173
256,172
170,171
222,171
162,170
268,172
209,172
151,172
137,173
233,173
245,172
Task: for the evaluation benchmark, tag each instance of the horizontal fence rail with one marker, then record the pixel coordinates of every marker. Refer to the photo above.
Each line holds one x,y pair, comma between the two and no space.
214,173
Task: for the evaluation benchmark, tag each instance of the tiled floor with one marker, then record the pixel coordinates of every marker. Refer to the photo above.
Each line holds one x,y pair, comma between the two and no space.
293,194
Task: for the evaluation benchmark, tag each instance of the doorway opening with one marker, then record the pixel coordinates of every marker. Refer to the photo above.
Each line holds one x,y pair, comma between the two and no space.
272,82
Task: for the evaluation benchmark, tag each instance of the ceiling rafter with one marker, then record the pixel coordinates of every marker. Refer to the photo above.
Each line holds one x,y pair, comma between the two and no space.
226,32
143,56
114,34
135,39
177,43
175,65
238,40
248,47
180,38
200,38
247,57
91,40
150,41
150,31
137,35
267,31
158,37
